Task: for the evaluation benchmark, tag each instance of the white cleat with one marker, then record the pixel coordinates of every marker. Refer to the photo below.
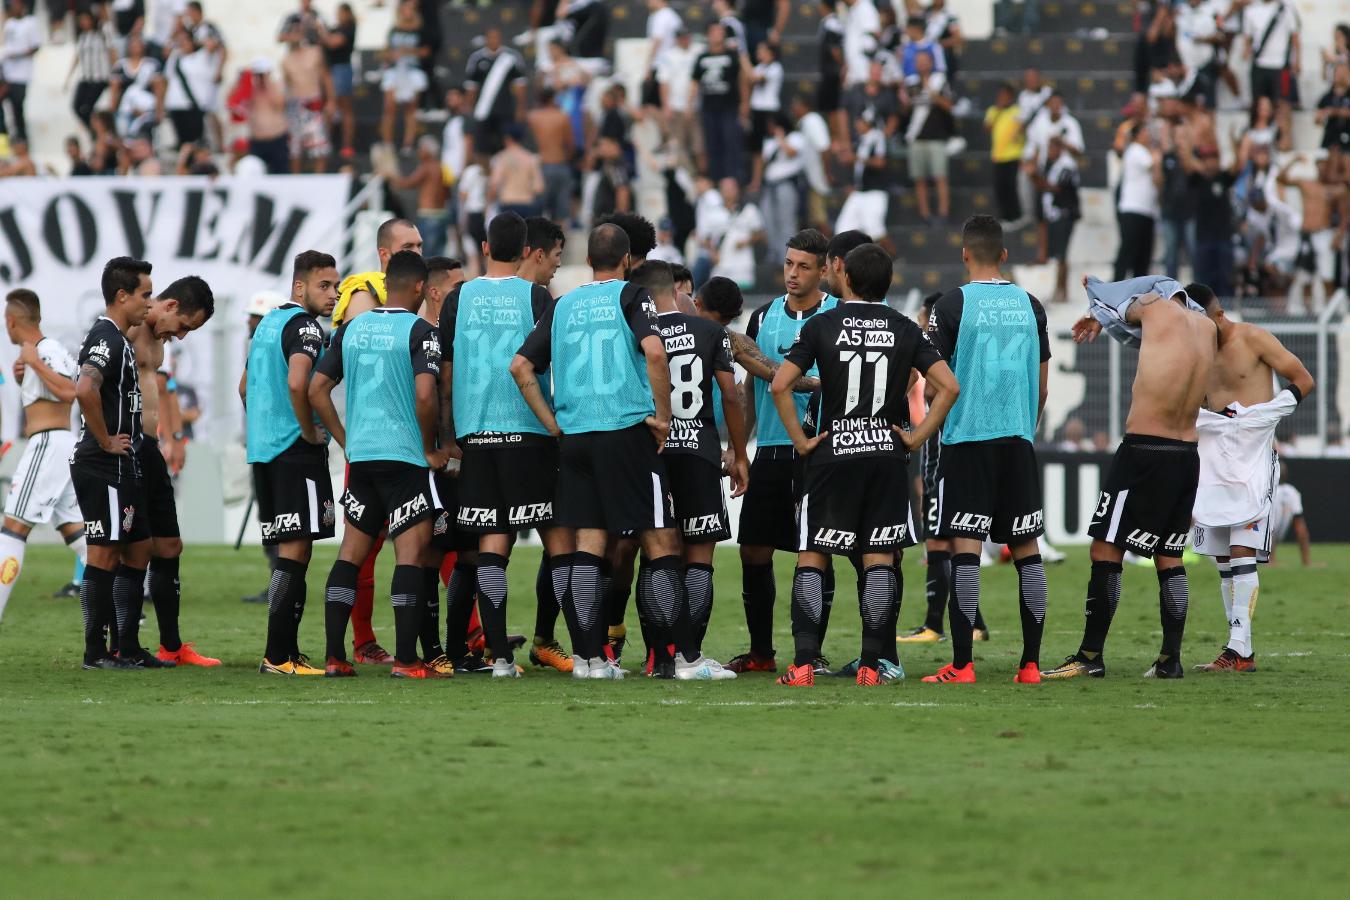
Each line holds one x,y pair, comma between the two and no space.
602,669
701,669
504,668
581,667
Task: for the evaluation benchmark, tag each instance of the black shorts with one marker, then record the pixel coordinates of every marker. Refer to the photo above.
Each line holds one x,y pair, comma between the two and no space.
384,494
1277,84
446,535
1145,505
503,490
929,458
990,489
1058,234
856,506
828,92
114,511
613,480
696,489
769,507
295,495
161,511
651,91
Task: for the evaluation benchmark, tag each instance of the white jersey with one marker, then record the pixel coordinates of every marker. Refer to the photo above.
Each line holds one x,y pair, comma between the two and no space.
1238,465
58,359
1285,506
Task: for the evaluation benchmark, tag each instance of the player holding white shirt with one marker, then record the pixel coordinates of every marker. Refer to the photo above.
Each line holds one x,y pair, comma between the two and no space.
1238,465
42,492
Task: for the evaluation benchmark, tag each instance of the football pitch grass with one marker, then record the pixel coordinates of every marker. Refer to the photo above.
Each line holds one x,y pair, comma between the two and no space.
227,783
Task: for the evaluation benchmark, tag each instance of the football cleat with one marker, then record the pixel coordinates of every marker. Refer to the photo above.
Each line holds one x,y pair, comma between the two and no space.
1028,674
665,671
303,666
470,664
921,635
702,669
950,674
798,676
890,672
416,669
1166,668
979,634
338,668
477,641
822,666
581,667
848,669
1077,666
68,591
550,655
504,668
187,656
752,662
372,654
1230,661
144,659
649,664
441,664
288,667
604,670
868,677
618,639
106,662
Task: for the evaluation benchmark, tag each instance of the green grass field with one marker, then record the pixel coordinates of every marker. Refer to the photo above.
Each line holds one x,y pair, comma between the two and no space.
225,783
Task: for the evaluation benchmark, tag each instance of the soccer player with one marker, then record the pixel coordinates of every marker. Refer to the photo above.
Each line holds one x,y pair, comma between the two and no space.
699,353
856,494
1286,513
989,484
182,307
288,452
509,470
390,359
356,294
611,388
1145,504
104,471
768,510
1239,467
42,492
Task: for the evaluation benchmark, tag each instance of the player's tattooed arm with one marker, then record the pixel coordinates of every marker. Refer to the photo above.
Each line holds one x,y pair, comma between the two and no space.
523,371
88,394
747,353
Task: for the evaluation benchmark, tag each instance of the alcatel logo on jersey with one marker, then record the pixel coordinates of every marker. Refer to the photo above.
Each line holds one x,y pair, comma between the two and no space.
1142,539
281,524
476,515
418,504
1029,523
850,322
889,535
971,522
530,512
670,330
833,537
679,343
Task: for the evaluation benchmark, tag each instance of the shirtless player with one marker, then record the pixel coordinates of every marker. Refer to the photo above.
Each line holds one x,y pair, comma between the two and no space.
1145,504
1239,467
1320,196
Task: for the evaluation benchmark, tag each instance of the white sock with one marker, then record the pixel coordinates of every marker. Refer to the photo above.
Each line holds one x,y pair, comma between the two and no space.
79,547
1226,588
1246,585
11,564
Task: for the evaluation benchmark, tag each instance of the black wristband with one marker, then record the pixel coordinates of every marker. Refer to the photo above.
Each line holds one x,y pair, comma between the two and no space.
1293,389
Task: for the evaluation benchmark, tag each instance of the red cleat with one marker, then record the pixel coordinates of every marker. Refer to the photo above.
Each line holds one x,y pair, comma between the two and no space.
950,674
187,656
868,677
372,654
1028,674
416,669
752,662
799,676
1229,661
338,668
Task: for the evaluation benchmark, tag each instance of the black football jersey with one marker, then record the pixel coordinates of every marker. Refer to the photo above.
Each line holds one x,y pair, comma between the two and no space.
107,350
696,349
864,352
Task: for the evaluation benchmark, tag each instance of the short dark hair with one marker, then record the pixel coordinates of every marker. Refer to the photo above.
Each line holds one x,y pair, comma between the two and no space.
1202,294
607,247
641,233
542,233
656,276
843,243
809,240
722,296
930,301
385,235
681,273
310,260
193,295
982,236
869,270
406,268
773,48
122,273
28,303
442,264
506,237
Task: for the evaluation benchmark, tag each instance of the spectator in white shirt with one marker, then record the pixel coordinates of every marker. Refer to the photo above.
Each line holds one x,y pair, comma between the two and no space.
1052,121
675,78
1137,206
22,38
736,253
816,132
783,158
1198,42
766,98
665,250
1271,29
862,27
711,219
663,25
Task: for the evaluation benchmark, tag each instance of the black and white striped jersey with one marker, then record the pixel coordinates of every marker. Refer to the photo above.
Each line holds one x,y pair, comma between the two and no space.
107,350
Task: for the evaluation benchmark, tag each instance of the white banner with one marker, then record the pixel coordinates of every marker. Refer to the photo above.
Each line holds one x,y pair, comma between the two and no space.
241,235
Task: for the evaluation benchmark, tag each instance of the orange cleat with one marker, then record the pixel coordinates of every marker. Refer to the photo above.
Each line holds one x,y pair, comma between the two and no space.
868,677
1230,661
799,676
950,674
416,669
338,668
551,655
1028,674
372,654
752,662
187,656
